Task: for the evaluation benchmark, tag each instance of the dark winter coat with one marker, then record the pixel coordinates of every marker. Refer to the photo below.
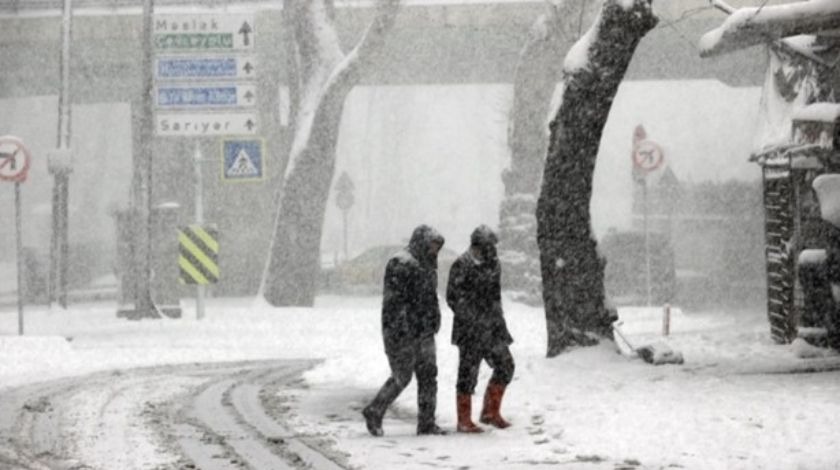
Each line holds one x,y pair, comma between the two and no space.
410,307
474,294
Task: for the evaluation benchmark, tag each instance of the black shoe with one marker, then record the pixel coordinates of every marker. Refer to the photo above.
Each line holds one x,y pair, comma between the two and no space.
430,429
373,422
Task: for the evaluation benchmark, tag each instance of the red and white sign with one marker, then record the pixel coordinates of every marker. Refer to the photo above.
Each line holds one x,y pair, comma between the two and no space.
14,159
647,155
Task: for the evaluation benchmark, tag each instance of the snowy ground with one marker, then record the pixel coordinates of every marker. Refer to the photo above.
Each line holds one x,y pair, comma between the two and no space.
733,405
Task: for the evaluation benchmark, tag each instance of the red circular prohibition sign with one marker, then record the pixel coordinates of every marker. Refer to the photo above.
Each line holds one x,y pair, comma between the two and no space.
14,159
647,155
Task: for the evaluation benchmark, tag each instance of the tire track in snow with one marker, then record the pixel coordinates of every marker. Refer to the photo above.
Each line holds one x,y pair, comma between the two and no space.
207,416
231,411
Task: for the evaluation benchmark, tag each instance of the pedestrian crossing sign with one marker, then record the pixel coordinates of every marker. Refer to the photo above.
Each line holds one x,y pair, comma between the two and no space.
242,160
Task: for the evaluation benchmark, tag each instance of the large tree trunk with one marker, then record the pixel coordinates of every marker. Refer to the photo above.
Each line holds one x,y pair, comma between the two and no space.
538,71
325,78
572,271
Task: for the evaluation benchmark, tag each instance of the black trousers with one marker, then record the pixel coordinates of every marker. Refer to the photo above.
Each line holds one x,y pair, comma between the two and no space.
469,360
414,357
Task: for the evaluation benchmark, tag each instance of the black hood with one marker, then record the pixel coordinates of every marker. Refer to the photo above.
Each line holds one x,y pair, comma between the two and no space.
422,237
483,236
484,240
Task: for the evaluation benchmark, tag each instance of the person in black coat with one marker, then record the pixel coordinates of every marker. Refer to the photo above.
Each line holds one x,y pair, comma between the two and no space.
410,320
479,329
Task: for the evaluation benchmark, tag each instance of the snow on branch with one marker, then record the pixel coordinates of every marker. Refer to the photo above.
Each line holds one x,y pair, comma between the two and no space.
331,74
317,42
580,54
371,41
750,26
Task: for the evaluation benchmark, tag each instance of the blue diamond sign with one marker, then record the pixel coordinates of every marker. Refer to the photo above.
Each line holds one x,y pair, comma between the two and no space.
242,160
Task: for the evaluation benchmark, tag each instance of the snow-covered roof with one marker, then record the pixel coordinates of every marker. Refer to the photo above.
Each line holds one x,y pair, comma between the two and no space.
823,112
755,25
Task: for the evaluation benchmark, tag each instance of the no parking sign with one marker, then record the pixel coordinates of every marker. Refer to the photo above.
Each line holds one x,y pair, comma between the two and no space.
647,156
14,159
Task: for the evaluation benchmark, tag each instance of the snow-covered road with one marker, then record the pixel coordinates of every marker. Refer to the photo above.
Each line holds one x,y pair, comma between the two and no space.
738,402
207,416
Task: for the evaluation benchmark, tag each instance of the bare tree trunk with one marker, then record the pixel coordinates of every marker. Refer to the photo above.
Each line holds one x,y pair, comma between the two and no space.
572,272
325,77
538,72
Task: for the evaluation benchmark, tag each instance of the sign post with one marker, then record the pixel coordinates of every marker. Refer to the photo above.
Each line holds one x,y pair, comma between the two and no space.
14,166
647,157
205,71
199,219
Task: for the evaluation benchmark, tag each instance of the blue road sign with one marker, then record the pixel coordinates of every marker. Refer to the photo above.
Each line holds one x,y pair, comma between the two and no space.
214,68
186,68
230,95
242,159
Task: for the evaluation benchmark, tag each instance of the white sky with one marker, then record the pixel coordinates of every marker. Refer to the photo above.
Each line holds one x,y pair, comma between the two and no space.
435,154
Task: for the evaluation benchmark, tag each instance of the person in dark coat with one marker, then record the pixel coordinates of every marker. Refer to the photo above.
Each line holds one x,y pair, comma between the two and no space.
474,294
410,320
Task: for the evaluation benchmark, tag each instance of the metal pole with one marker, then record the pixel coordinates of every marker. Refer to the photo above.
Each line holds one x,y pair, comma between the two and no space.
19,243
59,241
199,219
52,290
647,240
144,306
344,213
64,242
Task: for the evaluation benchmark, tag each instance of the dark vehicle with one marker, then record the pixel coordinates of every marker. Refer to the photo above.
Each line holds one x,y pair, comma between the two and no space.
625,274
794,227
363,274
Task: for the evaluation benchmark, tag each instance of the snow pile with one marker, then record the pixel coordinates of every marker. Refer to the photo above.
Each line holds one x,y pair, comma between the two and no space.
827,187
823,112
803,349
36,353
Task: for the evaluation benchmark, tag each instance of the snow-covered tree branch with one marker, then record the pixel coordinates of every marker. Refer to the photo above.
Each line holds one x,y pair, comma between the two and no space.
750,26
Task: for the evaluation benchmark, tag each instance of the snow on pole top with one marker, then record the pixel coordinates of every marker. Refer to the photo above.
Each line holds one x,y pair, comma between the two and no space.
822,112
755,25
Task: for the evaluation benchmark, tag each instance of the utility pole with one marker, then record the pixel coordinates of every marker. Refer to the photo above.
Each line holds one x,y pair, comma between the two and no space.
60,165
141,184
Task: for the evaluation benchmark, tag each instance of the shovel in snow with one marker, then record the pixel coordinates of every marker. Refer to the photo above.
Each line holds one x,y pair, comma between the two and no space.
656,354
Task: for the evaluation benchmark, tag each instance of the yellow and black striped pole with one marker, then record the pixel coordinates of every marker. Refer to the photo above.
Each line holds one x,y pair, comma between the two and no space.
198,257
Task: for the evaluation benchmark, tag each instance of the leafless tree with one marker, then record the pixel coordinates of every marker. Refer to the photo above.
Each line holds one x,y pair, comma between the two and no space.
572,271
322,76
